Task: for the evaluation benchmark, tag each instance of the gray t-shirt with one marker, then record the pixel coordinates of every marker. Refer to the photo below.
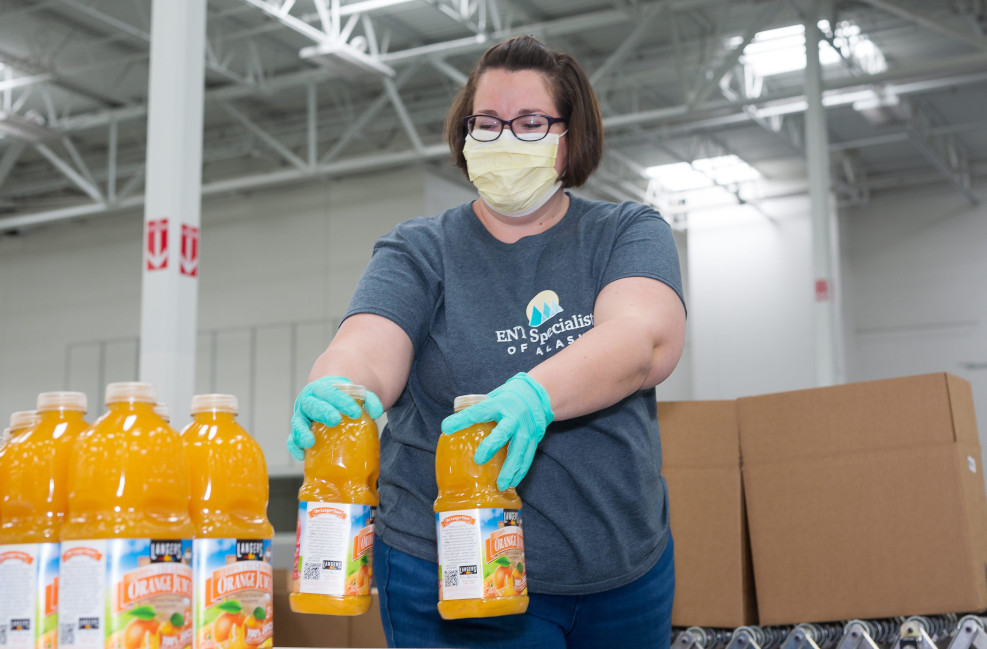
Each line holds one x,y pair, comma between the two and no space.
595,513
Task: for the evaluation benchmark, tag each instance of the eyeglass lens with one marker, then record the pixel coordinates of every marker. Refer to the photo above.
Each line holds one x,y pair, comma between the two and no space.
526,127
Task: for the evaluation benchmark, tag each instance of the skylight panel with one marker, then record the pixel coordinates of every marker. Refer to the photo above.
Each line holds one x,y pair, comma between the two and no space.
782,50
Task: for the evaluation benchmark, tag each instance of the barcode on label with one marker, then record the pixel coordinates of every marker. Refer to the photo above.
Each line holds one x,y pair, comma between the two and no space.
311,570
451,578
66,633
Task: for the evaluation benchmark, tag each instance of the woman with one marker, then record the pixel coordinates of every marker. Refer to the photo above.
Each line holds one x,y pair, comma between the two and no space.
568,312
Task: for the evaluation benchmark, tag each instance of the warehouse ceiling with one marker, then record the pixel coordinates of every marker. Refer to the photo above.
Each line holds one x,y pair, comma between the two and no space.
305,89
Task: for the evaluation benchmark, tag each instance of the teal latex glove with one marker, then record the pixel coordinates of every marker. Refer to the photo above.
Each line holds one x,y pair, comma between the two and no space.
320,401
522,411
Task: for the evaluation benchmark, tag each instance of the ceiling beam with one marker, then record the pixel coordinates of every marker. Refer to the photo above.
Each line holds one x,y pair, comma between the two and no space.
70,173
941,151
254,181
929,22
644,28
9,159
677,121
264,136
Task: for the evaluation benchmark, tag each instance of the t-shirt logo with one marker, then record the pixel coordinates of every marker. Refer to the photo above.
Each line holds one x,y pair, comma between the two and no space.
543,307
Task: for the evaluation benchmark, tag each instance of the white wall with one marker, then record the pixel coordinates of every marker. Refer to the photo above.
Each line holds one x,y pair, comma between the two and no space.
914,274
916,284
276,273
751,299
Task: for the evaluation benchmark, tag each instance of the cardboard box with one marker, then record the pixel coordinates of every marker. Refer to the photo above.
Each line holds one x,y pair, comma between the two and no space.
305,630
714,583
865,500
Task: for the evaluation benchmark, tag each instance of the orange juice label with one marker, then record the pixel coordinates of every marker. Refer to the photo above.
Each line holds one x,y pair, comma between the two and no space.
481,553
125,594
334,547
234,593
28,595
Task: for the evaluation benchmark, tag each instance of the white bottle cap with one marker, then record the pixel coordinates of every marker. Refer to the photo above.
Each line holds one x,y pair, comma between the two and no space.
23,419
358,392
62,401
131,391
214,402
467,400
162,410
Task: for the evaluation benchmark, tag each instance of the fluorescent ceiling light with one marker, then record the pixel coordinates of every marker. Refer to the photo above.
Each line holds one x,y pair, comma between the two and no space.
782,50
702,174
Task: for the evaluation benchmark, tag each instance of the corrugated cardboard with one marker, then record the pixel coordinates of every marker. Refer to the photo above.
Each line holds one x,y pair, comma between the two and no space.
305,630
714,583
865,500
872,415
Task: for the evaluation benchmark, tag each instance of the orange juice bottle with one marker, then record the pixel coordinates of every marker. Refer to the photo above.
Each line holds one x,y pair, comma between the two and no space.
231,554
33,476
335,537
20,421
478,528
15,570
125,579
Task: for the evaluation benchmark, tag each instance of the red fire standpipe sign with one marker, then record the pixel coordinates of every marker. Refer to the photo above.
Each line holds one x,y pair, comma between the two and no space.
157,244
190,251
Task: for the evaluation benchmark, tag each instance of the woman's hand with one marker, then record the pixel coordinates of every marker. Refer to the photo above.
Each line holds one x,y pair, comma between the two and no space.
321,401
522,411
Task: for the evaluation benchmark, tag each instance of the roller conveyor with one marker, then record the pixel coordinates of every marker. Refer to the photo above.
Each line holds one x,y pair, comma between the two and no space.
947,631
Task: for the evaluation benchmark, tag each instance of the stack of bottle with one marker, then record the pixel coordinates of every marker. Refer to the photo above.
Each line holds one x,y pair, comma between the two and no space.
126,534
478,527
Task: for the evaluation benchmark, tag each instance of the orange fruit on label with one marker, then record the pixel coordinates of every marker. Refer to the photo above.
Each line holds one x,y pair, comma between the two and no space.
141,633
224,625
502,577
205,639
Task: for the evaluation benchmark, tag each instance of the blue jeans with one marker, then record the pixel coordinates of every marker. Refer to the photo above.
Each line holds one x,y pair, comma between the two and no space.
638,615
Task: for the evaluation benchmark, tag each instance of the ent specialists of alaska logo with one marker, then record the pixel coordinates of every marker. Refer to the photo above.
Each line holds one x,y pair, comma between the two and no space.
547,330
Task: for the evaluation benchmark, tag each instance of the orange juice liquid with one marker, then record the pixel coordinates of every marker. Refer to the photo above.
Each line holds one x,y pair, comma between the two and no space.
478,529
20,421
33,481
125,579
231,557
337,500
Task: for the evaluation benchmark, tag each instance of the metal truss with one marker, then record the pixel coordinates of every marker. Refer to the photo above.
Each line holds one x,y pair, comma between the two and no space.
369,102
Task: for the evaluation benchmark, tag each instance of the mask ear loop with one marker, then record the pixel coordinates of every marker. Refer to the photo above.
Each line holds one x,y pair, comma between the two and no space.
562,175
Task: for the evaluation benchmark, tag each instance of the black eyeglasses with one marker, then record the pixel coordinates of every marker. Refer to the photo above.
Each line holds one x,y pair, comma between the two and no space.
530,128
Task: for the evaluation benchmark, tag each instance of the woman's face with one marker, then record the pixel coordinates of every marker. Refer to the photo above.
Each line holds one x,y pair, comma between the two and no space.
507,94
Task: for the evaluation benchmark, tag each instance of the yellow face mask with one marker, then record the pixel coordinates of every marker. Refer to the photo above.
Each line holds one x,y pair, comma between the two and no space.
514,177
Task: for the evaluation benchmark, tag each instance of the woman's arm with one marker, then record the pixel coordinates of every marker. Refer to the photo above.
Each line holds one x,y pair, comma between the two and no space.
635,343
369,350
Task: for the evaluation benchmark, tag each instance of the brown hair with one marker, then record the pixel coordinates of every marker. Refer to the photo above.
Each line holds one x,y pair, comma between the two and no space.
571,91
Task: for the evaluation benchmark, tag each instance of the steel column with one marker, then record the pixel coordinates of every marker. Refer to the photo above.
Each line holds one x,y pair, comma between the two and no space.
825,242
173,194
